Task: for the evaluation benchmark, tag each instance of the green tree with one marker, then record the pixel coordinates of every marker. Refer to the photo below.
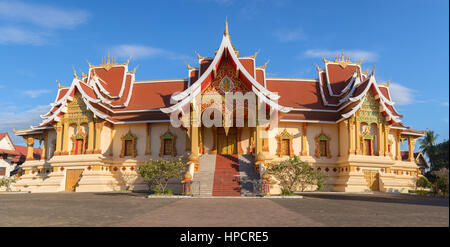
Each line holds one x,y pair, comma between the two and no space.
427,145
294,172
157,173
442,179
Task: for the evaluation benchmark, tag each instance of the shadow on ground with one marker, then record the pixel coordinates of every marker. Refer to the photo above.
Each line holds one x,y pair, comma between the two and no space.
386,198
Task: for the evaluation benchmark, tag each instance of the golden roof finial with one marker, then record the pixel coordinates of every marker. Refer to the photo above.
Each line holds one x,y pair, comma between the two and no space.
134,70
74,72
373,70
226,27
198,56
318,68
59,84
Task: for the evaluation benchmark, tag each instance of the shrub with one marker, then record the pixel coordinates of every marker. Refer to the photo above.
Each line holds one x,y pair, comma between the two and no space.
158,172
294,172
423,182
6,182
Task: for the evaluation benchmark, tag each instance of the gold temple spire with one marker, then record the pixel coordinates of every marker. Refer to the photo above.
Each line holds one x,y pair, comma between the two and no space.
226,33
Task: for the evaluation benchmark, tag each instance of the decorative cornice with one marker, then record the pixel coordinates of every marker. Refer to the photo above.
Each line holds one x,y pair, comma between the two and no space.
342,61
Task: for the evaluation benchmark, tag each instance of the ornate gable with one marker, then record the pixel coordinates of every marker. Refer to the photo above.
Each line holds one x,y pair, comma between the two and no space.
370,110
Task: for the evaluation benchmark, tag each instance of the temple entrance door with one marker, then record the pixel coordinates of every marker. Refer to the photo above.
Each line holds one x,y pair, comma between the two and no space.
227,144
373,179
72,178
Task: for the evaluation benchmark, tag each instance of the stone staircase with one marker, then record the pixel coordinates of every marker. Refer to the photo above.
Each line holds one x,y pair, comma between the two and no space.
226,176
250,181
204,178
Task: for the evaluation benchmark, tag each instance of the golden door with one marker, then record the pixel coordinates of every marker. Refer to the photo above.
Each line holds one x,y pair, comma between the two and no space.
72,178
227,144
373,179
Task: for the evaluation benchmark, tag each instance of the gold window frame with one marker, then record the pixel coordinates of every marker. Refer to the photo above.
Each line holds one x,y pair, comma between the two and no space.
284,136
322,137
128,136
80,135
168,135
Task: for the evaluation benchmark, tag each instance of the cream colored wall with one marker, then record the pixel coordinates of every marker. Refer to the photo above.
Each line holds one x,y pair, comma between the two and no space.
105,137
330,130
293,129
158,129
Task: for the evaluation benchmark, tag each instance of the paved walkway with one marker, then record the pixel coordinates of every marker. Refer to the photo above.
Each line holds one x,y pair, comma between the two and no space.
132,209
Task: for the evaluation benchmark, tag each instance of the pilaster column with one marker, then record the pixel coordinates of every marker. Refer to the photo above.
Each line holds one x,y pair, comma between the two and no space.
148,129
111,142
193,157
411,145
398,155
357,136
91,135
30,148
65,140
98,135
304,140
380,139
386,139
44,147
351,136
58,129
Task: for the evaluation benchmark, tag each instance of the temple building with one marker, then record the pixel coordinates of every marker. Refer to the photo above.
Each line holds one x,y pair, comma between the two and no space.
106,123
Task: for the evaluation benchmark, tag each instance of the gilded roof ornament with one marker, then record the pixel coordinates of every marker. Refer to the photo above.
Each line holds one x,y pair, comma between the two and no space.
342,60
264,66
318,68
134,70
199,57
226,33
75,72
190,67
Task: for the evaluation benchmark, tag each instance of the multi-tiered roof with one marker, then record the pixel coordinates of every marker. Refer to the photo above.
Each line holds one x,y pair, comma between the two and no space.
110,91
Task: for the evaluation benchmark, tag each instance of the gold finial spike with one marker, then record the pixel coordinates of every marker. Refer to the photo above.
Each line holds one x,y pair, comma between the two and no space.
226,27
59,84
109,58
318,68
388,83
373,70
74,72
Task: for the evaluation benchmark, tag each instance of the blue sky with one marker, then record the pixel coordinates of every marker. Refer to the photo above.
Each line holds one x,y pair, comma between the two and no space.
408,41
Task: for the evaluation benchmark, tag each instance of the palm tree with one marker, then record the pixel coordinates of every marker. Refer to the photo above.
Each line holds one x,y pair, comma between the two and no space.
427,145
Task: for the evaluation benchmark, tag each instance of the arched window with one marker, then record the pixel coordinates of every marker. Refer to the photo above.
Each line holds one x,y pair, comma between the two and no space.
168,144
79,142
128,145
322,146
367,143
284,140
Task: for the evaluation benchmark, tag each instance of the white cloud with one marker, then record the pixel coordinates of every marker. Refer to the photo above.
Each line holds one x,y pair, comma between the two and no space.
287,35
141,51
445,104
355,55
42,15
14,35
19,119
35,93
400,94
